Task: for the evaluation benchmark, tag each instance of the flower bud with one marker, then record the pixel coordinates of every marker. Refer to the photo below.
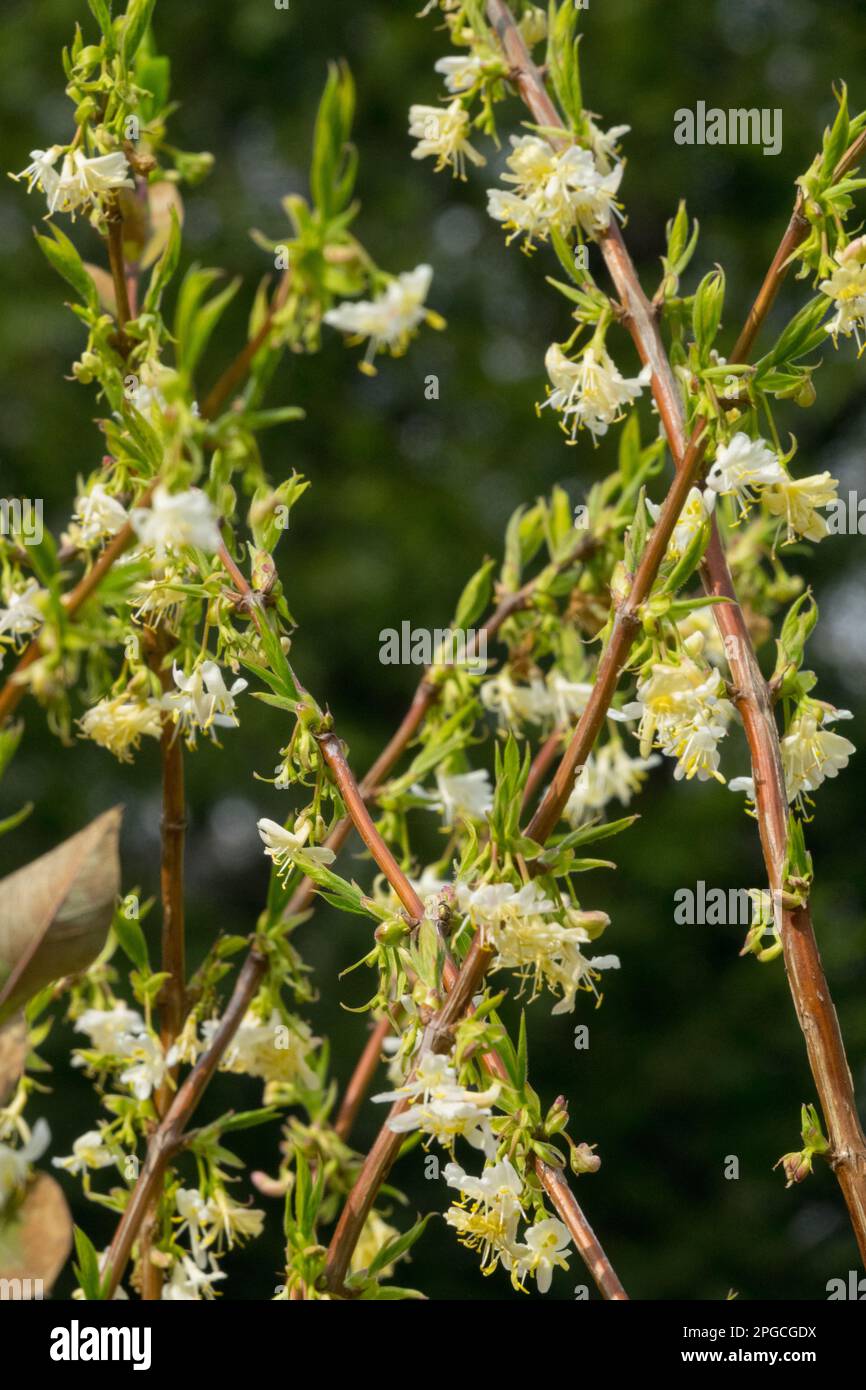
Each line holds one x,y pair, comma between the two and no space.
582,1159
557,1116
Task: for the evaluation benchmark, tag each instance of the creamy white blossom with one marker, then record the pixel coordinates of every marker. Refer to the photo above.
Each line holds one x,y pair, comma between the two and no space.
554,190
590,392
119,724
177,519
441,1107
542,1252
460,70
80,180
685,712
697,509
88,1151
847,288
442,132
797,501
23,613
202,700
743,467
285,846
610,773
811,752
464,794
389,320
272,1048
187,1282
97,516
15,1163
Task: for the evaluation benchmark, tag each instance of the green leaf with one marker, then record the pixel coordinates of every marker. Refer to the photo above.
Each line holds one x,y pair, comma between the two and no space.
165,267
391,1252
102,14
87,1269
707,311
836,139
135,26
475,597
65,259
334,164
802,335
131,938
203,324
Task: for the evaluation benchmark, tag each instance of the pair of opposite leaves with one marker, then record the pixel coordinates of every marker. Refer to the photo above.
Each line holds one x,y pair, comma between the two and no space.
54,919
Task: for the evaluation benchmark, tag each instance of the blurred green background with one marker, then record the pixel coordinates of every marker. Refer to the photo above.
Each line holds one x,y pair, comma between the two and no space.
695,1054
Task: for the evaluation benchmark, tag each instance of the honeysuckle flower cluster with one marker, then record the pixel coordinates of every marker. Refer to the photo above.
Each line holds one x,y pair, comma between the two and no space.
591,392
553,190
811,750
121,1039
439,1107
80,183
684,711
486,1219
176,520
538,939
846,287
609,774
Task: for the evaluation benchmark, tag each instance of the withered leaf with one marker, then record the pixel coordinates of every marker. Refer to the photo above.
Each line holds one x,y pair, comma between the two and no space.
36,1240
55,913
13,1055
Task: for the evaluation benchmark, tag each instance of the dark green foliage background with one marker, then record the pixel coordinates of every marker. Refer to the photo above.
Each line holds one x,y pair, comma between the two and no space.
695,1054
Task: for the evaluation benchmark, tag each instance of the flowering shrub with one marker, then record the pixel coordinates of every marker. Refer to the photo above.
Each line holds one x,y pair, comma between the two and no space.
633,639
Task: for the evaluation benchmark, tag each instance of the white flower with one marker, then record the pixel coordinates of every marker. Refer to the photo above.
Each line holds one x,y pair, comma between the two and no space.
516,704
175,520
461,71
697,509
610,773
40,171
120,724
441,1107
22,615
110,1029
797,500
464,794
285,847
744,466
590,392
554,190
605,143
15,1163
271,1049
847,288
542,1253
202,700
188,1283
489,1225
443,132
80,180
811,752
389,320
684,711
148,1064
97,515
88,1151
518,924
